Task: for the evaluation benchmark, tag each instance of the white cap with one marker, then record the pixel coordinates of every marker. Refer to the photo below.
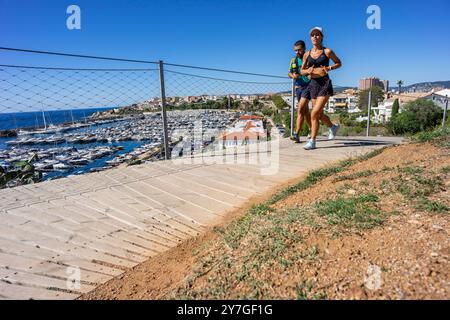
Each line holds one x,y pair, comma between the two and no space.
316,28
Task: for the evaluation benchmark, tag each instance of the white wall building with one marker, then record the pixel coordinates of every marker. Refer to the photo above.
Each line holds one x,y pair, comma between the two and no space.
344,102
383,112
440,98
287,99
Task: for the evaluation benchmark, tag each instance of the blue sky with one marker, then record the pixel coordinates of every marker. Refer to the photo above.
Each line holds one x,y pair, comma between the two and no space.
251,35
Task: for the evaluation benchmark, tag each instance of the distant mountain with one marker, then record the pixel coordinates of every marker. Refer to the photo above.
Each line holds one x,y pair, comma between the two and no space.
339,89
423,86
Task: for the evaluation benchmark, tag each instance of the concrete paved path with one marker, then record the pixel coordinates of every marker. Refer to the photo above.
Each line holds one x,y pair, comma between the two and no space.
61,238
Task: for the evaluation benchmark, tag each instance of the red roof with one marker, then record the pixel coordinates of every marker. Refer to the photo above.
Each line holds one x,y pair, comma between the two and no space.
249,125
250,117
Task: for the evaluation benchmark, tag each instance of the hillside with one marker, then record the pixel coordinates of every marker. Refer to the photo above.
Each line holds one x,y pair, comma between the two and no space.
424,86
375,227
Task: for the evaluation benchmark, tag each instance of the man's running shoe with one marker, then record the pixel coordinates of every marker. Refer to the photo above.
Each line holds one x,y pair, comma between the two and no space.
333,131
295,138
310,145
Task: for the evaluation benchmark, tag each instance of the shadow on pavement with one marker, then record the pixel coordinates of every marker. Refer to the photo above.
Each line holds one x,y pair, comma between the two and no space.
343,143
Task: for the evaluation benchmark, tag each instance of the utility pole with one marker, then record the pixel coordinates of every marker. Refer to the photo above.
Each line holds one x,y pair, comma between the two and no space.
163,107
445,112
368,112
293,108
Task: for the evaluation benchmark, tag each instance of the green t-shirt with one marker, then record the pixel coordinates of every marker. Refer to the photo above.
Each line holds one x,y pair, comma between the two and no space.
295,66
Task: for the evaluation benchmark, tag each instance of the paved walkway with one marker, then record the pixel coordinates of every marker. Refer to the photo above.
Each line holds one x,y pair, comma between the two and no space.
61,238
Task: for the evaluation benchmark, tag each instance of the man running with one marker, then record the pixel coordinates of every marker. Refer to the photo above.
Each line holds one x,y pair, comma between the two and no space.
300,84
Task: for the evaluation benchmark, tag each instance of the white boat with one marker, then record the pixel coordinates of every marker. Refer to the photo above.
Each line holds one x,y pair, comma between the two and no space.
50,161
63,158
42,166
79,162
62,167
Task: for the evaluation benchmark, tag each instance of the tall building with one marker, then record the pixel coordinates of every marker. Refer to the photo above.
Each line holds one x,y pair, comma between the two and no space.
386,85
367,83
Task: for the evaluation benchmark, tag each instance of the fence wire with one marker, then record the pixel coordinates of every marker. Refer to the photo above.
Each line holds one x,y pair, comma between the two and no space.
61,91
42,109
180,84
24,89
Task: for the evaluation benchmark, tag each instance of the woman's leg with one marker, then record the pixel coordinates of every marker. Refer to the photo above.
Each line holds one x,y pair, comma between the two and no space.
315,116
317,112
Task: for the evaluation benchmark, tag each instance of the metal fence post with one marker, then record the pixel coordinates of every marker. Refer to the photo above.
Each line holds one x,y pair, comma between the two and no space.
163,109
293,108
445,112
368,112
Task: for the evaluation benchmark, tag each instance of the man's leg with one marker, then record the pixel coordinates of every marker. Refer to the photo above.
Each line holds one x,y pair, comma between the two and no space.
299,122
307,114
326,120
333,128
302,115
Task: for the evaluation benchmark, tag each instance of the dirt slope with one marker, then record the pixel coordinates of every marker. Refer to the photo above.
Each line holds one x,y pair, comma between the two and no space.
367,229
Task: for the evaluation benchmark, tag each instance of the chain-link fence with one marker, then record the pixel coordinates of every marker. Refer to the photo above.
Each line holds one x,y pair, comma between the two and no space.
28,89
78,119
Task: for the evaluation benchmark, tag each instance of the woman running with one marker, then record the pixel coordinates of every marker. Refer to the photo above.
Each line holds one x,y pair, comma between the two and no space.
316,65
301,83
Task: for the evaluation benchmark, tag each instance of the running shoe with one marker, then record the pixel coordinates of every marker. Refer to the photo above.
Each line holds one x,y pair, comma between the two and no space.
333,131
295,138
310,145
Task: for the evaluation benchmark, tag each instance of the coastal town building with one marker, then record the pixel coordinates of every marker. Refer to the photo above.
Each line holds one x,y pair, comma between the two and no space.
404,98
343,102
287,98
367,83
193,99
383,112
250,97
248,129
440,97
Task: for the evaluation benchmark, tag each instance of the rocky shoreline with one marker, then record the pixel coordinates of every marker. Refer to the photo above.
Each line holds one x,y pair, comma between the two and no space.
8,133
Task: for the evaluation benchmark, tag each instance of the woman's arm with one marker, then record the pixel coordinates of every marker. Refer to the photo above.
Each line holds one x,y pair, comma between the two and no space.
337,62
311,72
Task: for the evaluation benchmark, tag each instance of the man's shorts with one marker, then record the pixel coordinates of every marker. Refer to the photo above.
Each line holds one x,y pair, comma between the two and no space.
302,92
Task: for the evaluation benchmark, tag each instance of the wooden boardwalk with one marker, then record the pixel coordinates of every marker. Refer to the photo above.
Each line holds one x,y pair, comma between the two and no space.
62,238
